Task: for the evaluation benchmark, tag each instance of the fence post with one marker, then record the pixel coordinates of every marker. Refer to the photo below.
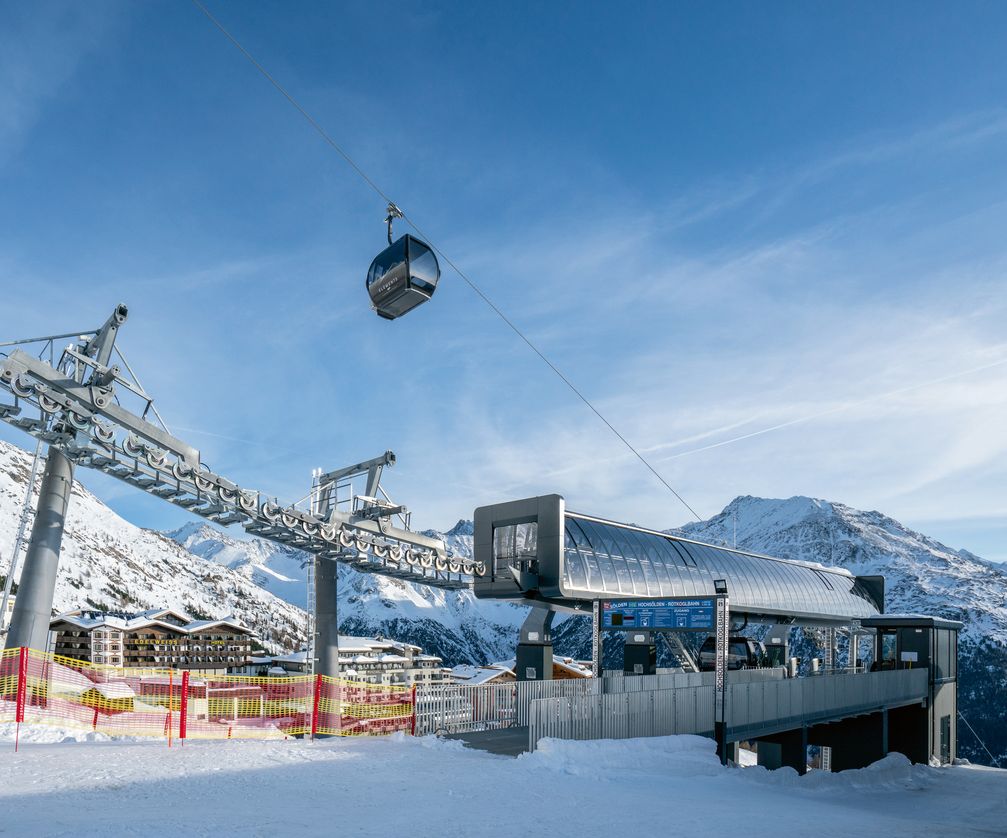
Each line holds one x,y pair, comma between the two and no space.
412,728
314,705
171,690
22,686
184,705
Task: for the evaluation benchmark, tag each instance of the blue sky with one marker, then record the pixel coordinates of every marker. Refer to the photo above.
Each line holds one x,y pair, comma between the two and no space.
716,219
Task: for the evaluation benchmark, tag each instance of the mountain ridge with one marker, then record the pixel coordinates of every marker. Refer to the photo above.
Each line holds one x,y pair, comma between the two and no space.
201,568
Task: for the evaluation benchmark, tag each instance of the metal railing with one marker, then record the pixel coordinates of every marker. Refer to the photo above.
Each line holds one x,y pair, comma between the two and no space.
676,680
784,704
622,715
464,708
760,704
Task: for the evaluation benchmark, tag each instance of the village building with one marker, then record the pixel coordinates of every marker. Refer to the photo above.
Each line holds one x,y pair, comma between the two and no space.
503,672
159,638
371,660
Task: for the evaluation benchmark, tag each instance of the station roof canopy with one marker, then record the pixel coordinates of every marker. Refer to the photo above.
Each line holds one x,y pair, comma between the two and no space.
911,621
534,549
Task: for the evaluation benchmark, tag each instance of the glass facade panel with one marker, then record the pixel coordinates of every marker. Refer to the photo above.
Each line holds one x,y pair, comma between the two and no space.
681,550
635,550
622,561
595,580
516,541
514,544
605,567
575,564
760,572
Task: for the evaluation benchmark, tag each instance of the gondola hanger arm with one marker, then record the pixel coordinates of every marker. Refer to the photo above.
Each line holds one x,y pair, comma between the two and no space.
393,213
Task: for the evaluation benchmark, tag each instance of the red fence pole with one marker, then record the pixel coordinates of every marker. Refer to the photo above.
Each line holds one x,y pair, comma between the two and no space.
22,687
184,706
412,728
314,705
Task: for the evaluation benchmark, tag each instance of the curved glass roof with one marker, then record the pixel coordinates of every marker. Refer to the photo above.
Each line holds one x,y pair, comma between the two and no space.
602,559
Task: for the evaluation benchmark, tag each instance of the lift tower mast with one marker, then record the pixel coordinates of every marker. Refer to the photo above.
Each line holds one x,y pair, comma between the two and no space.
29,625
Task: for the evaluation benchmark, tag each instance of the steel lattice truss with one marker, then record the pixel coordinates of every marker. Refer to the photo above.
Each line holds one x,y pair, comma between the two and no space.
77,406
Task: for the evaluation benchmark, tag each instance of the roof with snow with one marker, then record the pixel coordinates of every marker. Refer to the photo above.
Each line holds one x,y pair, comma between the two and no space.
365,650
535,549
162,618
904,620
468,674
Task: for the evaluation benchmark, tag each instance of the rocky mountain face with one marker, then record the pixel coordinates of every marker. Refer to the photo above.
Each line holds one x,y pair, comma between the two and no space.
450,624
922,576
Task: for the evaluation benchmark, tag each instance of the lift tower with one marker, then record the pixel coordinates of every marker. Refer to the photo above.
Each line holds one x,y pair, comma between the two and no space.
91,414
29,625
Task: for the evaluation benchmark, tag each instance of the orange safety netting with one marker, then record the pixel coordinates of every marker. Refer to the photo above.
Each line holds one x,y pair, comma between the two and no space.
37,688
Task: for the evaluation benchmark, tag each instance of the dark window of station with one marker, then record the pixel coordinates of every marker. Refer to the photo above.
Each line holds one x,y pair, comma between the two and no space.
889,649
946,664
515,542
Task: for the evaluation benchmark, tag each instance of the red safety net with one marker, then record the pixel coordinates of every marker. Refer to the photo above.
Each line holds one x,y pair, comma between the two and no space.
36,688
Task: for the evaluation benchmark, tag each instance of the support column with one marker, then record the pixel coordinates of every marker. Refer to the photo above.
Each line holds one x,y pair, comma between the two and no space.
597,642
326,619
29,625
534,650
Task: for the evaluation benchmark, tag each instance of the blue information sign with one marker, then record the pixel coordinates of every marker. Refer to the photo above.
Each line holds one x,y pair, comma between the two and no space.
657,614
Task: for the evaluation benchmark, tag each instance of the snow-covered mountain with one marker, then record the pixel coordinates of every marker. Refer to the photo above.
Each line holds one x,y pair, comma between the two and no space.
210,572
274,567
921,574
451,624
107,562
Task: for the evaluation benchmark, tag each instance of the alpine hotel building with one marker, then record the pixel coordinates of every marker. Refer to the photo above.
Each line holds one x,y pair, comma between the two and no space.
162,639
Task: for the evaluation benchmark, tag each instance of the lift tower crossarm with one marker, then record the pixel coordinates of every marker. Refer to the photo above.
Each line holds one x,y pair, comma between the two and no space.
78,415
328,481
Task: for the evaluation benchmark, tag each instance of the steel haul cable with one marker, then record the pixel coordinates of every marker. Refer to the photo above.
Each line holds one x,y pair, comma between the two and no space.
468,281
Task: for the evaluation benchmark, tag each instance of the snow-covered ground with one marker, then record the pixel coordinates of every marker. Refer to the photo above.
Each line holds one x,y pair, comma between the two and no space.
427,787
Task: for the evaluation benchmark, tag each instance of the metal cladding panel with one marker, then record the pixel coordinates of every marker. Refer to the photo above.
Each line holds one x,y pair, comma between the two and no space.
603,560
546,512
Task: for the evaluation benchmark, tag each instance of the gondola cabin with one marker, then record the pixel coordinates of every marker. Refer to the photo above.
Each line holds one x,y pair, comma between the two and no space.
403,276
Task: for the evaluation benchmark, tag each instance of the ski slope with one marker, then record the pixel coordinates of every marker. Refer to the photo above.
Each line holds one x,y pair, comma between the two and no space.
427,787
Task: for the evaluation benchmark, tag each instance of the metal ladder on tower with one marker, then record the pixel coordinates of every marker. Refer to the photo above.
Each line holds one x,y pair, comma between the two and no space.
309,649
26,517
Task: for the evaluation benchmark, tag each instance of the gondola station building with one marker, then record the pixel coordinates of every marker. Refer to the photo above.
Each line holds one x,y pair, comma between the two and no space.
160,638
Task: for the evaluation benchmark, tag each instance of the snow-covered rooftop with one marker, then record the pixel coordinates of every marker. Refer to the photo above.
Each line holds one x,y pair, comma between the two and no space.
90,620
